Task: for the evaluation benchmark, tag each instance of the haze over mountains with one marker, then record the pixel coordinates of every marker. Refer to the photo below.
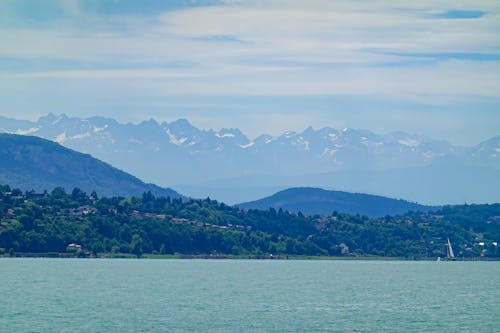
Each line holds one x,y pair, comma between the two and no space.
229,166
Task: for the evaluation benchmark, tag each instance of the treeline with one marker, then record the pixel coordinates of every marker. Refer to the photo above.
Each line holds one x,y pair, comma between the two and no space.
86,224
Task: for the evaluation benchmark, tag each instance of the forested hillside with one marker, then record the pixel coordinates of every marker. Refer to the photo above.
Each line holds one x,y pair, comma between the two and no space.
88,225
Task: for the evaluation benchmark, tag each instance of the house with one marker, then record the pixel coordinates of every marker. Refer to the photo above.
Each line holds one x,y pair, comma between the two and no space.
83,210
74,247
33,195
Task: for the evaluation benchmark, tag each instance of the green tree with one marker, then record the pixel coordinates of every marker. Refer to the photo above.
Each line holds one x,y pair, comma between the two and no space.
58,193
136,245
78,195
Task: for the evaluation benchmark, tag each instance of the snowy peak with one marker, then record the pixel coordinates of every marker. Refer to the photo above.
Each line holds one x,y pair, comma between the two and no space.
493,143
263,139
181,132
181,127
151,123
152,150
487,151
233,135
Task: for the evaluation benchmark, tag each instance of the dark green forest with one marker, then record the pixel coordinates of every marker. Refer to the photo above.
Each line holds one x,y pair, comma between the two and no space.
82,224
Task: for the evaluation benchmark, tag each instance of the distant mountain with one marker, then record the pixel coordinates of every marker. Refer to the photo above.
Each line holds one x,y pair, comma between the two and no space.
28,162
311,201
486,153
443,182
205,161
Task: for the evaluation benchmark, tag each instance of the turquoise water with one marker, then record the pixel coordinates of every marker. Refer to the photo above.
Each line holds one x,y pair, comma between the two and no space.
99,295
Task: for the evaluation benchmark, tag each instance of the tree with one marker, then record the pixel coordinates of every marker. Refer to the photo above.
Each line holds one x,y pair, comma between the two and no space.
17,192
147,197
136,245
78,195
4,188
58,193
93,196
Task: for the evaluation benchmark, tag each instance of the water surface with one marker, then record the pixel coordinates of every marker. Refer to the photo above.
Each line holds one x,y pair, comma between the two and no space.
113,295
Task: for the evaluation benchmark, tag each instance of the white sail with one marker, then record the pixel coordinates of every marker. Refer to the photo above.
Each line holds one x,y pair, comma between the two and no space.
450,250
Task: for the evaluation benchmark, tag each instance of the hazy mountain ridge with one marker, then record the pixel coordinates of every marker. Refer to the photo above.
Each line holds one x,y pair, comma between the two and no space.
335,149
29,162
311,201
177,153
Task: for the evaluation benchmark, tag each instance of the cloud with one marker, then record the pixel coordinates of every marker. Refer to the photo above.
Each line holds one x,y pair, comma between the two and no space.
273,48
450,80
321,31
106,74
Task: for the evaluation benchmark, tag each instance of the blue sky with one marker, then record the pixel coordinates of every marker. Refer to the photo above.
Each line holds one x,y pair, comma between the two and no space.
427,67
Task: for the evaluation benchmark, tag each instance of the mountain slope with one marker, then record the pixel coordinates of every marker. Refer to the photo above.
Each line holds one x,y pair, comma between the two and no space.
318,201
30,162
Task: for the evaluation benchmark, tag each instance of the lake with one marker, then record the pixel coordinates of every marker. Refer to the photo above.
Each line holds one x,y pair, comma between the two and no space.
128,295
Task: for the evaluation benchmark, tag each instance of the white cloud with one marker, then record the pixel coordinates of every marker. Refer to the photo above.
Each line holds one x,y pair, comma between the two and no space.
439,83
106,74
276,48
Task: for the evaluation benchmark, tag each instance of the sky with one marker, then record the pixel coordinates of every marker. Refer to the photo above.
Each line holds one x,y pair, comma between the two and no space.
425,67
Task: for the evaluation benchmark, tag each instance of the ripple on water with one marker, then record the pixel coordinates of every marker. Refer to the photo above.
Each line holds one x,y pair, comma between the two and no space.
74,295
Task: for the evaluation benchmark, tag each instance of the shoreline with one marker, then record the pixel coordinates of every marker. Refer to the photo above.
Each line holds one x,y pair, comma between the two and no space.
62,255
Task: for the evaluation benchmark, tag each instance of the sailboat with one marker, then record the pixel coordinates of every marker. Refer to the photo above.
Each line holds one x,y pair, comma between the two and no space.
449,251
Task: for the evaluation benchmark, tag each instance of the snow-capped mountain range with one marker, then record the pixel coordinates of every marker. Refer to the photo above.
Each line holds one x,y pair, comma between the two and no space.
174,153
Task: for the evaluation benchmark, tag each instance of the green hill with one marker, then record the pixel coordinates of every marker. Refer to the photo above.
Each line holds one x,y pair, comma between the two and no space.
32,163
57,221
313,201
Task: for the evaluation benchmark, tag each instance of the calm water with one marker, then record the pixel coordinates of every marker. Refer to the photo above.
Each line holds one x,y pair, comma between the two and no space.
88,295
